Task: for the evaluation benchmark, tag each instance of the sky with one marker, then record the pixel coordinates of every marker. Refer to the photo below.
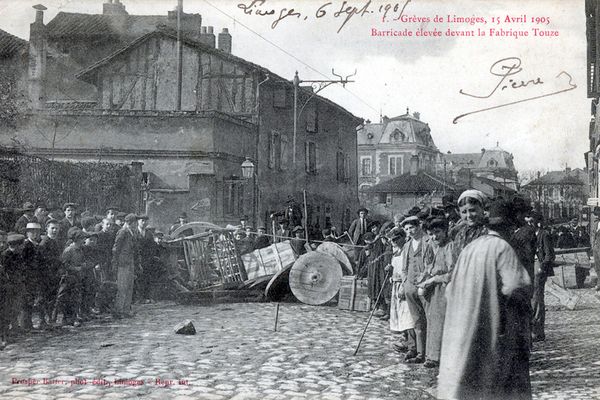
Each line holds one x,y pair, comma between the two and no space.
423,74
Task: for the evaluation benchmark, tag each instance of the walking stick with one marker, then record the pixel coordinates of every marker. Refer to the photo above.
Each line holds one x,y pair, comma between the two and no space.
371,316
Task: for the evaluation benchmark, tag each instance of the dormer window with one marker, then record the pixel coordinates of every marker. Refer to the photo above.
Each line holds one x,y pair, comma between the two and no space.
492,163
397,136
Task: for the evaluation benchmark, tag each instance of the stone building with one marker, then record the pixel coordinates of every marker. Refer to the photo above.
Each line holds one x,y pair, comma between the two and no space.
559,195
592,13
492,171
123,107
385,149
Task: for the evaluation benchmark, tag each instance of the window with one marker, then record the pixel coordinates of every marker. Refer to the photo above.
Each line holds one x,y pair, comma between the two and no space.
340,166
365,166
285,149
347,168
274,150
492,163
395,165
280,97
310,149
233,197
312,120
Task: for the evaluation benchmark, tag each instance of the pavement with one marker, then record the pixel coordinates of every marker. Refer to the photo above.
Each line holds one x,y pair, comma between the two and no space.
236,354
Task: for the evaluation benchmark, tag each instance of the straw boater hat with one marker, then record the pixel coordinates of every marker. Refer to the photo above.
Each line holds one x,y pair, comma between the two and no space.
32,226
411,219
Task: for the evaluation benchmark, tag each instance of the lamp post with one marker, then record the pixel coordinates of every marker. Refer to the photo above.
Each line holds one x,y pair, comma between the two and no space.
249,172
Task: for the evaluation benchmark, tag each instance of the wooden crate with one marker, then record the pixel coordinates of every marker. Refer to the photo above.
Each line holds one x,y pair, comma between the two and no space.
354,294
269,260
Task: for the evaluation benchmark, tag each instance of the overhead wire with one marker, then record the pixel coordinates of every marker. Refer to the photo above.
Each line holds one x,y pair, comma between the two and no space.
236,21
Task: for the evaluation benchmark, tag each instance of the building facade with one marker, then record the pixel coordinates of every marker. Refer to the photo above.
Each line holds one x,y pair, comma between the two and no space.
592,13
385,149
191,147
559,195
492,171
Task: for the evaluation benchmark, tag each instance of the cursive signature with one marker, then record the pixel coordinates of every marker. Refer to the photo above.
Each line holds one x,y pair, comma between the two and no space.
344,10
509,67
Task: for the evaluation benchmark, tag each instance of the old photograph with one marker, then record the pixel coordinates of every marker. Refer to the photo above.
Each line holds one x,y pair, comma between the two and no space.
309,199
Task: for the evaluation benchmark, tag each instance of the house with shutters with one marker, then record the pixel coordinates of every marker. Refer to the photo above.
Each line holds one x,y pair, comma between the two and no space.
389,148
103,87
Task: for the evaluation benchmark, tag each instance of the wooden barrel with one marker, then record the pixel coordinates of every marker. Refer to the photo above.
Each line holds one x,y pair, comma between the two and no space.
315,278
336,251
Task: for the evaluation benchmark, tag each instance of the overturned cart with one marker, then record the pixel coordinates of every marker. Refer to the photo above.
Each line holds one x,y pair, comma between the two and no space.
219,273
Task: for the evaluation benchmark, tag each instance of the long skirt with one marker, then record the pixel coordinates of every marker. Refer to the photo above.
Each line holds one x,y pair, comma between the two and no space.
435,309
400,318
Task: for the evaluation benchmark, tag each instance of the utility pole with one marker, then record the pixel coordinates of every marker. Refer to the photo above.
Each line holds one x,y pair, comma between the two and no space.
317,85
179,55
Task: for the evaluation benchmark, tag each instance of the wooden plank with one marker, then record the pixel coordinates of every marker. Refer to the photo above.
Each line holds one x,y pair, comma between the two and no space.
564,296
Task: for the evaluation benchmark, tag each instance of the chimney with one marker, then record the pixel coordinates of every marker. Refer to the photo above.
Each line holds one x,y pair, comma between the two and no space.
208,36
567,169
539,174
225,41
482,151
414,164
114,7
417,115
38,48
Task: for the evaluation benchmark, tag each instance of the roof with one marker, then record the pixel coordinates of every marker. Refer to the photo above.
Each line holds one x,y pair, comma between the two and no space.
86,74
495,184
572,177
463,159
10,44
77,24
398,130
422,182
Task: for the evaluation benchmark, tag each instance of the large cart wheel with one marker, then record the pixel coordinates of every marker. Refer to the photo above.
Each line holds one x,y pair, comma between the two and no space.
315,278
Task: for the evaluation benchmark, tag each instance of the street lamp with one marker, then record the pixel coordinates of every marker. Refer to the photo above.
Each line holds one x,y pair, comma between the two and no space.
248,172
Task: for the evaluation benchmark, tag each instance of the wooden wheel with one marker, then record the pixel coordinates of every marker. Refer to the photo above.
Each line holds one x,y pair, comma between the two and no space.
336,251
315,278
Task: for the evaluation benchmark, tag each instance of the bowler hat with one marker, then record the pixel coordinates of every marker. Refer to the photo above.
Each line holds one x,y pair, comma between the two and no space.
28,206
14,238
143,216
183,215
131,218
32,225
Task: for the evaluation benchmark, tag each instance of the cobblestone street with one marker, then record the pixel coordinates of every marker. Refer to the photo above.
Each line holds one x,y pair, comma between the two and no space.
237,355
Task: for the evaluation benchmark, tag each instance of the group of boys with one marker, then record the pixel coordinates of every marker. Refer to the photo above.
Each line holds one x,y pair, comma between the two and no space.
68,266
419,252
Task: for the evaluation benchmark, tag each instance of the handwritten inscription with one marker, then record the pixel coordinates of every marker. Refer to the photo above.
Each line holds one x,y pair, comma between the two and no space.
510,67
344,11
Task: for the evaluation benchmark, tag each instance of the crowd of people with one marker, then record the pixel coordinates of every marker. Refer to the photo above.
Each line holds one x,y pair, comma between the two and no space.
61,268
463,287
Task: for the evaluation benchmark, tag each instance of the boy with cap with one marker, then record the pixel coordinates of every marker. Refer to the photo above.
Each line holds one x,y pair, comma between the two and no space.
261,240
298,241
414,271
68,299
125,259
69,221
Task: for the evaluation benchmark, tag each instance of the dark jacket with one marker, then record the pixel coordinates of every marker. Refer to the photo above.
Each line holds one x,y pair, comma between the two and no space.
49,252
355,232
524,242
22,223
124,251
545,252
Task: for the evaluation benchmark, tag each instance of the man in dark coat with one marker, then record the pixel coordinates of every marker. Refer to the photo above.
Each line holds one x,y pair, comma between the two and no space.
12,261
523,239
544,267
32,273
49,252
68,299
27,217
358,228
261,240
146,247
